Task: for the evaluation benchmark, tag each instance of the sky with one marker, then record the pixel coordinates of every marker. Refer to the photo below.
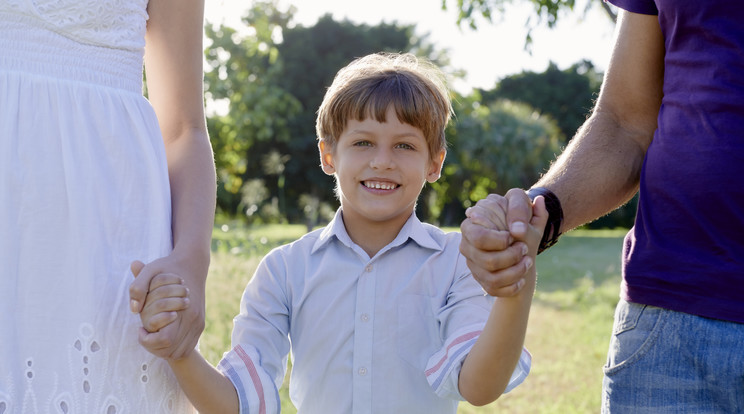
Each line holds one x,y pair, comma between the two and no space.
493,51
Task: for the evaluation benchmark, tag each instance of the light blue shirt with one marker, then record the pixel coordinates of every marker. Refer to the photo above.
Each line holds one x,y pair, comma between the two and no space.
386,334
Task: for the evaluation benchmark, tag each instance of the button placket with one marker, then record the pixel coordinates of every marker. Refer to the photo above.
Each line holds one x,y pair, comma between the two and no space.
363,335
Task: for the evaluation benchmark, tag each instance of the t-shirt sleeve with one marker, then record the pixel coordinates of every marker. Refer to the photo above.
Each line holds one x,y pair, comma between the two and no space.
257,363
636,6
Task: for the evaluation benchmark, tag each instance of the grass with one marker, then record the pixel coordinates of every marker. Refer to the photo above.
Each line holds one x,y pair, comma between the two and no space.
569,328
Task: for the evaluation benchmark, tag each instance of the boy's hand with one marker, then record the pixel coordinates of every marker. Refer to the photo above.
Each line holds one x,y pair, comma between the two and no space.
536,226
489,212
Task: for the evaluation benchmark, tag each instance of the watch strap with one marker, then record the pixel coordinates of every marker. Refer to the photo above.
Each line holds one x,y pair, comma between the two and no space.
555,216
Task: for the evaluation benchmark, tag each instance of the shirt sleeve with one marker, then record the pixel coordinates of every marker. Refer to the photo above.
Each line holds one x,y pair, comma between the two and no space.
257,393
636,6
461,321
258,361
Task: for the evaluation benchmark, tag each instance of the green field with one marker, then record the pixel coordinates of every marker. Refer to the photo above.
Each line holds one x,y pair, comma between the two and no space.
569,326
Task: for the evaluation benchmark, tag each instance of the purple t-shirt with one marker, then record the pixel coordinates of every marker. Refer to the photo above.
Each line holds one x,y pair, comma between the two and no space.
686,250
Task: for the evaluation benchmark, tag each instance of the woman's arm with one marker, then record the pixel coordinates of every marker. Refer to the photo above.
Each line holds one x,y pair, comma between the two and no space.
173,63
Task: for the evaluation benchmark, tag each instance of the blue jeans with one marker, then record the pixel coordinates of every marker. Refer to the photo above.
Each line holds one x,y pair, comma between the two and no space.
662,361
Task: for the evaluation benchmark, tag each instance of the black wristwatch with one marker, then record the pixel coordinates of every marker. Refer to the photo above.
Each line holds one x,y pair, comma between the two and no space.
555,217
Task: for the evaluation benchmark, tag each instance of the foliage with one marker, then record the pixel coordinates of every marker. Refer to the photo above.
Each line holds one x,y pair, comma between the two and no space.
623,216
565,95
545,11
244,66
493,148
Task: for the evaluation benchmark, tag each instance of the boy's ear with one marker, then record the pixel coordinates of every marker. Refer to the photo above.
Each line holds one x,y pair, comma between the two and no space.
435,169
326,157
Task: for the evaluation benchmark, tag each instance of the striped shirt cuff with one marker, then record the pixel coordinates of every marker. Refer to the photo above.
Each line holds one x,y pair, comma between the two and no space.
521,371
256,391
443,368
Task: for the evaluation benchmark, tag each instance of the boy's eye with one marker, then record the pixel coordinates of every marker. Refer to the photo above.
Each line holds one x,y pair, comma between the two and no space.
362,144
403,145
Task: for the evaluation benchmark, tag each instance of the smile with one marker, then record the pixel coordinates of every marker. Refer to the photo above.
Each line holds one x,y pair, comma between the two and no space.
380,185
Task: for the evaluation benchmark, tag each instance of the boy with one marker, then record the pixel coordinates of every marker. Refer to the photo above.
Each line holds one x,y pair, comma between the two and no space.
379,310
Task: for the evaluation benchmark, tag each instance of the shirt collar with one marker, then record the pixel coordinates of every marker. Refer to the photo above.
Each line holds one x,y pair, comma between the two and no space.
414,229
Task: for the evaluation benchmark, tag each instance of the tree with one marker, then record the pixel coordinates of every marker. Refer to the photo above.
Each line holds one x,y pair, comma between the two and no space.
546,11
493,148
244,66
565,95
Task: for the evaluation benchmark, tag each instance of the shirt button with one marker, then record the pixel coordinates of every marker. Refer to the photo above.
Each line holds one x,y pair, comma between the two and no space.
364,317
368,268
362,371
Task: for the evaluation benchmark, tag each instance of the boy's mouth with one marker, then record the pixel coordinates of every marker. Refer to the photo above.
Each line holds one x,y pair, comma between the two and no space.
380,185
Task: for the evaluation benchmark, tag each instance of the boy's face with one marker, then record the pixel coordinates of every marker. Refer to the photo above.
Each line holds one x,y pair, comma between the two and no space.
380,168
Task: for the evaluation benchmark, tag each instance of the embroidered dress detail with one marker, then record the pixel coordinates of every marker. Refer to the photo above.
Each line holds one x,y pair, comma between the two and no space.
110,23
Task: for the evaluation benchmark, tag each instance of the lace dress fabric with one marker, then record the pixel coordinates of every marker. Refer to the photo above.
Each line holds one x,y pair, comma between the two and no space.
83,192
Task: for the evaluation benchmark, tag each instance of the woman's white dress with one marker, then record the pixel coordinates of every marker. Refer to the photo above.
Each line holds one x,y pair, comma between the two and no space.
83,192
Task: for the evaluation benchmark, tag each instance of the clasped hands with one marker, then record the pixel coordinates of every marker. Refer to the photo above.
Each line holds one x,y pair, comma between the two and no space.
498,240
170,306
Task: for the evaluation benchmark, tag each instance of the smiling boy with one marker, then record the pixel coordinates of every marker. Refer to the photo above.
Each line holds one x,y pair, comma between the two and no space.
380,168
379,310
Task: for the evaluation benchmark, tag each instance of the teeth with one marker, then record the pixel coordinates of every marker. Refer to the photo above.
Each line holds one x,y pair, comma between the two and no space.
379,186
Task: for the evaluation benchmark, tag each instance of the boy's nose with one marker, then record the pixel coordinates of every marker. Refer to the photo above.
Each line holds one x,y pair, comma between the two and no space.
382,159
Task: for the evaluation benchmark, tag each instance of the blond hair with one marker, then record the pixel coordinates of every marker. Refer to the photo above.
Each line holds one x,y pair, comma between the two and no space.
369,85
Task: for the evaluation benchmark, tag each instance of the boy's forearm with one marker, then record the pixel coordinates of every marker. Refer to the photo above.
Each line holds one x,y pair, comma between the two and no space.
207,389
488,367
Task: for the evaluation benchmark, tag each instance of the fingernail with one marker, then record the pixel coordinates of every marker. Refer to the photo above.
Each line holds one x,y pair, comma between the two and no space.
134,306
517,227
520,284
528,263
524,250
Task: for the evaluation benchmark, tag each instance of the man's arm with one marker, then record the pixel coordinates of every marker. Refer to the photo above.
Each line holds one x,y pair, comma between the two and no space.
600,168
